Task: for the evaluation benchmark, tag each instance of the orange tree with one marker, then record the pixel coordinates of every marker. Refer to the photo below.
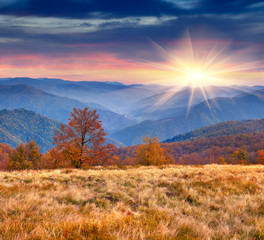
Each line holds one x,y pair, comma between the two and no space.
55,159
222,161
261,156
81,142
25,156
151,153
5,151
240,156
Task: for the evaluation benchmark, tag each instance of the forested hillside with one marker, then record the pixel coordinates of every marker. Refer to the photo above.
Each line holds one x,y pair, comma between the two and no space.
221,129
209,150
20,125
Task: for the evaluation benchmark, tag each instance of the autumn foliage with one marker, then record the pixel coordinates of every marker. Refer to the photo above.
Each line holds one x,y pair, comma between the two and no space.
54,159
5,151
81,143
25,156
261,156
151,153
240,156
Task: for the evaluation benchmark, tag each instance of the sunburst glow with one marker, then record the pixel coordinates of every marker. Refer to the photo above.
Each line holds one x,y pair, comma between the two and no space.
199,64
196,77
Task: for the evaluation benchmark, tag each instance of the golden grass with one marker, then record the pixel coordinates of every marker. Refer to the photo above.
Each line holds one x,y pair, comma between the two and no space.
174,202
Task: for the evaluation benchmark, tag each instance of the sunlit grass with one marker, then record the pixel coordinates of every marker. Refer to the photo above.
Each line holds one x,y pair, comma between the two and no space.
175,202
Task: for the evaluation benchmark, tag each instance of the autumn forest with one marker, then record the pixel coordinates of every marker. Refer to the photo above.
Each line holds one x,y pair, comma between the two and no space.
81,144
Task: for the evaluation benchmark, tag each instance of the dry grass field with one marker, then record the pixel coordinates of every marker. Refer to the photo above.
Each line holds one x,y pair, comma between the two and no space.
174,202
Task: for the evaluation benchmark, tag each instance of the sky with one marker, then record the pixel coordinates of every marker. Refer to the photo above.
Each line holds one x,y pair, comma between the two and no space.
141,41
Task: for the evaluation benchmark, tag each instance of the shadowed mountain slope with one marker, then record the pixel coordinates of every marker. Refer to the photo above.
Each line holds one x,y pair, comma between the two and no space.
55,107
20,125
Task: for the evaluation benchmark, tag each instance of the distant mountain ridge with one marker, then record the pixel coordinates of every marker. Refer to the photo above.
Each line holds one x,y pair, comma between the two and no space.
242,106
53,84
112,95
171,102
55,107
214,144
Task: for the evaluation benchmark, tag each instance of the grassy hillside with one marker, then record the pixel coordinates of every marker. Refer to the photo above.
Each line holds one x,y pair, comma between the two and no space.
176,202
221,129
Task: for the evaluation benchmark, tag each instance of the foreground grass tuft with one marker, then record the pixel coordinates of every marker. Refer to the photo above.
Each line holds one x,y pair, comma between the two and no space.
174,202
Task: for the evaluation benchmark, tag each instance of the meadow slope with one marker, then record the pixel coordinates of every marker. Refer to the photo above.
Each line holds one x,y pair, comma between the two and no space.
174,202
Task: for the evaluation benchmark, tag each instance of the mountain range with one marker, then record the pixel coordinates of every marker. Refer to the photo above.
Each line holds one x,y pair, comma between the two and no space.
114,96
214,144
56,107
130,112
243,106
172,101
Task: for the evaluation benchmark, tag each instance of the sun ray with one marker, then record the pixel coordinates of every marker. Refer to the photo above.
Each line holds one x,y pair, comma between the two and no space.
206,98
166,97
163,52
190,102
198,64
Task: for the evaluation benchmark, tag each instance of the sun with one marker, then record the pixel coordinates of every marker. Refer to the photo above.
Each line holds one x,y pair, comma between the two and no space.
199,65
196,77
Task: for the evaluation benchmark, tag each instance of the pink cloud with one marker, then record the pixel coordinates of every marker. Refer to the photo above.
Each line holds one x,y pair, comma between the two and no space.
98,61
